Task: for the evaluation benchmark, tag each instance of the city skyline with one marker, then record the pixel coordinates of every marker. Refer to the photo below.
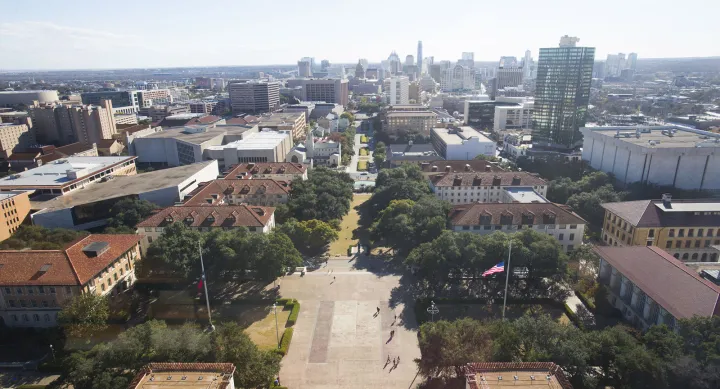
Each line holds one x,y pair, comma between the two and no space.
38,37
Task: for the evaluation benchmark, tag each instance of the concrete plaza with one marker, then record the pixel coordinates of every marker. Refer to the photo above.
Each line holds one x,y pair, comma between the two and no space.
339,340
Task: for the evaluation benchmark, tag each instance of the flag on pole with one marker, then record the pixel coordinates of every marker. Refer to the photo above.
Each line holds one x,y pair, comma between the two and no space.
499,268
200,283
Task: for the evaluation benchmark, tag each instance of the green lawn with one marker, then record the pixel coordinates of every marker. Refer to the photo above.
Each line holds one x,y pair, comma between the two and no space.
363,151
262,332
362,166
363,139
348,225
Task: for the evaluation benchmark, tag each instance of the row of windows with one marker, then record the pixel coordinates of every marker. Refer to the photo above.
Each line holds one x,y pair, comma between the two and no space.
33,303
35,316
695,257
30,290
688,243
691,232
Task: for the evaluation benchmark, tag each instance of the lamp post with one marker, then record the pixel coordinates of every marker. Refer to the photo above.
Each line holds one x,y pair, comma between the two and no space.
52,350
433,310
277,333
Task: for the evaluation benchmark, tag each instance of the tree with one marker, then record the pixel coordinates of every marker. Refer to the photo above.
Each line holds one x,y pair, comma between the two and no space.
379,154
84,314
588,204
325,195
446,347
41,238
309,236
177,247
279,254
129,212
349,116
405,223
254,368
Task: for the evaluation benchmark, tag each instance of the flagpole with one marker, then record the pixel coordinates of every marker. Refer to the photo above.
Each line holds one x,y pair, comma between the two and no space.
507,278
204,281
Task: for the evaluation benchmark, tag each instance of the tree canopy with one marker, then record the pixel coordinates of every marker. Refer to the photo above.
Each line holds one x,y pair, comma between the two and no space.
404,224
325,195
309,236
112,365
401,183
41,238
84,314
128,212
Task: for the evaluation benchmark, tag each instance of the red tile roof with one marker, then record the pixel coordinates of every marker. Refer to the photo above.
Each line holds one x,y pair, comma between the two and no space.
245,169
226,369
545,368
459,166
654,270
487,179
651,213
214,192
212,216
67,267
493,213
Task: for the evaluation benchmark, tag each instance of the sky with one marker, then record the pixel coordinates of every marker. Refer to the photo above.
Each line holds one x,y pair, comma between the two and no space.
182,33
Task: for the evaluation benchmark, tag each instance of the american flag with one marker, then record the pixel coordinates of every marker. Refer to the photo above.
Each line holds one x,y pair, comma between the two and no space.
499,268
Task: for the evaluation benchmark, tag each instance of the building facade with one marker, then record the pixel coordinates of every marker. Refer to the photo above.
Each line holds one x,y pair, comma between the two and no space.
548,218
461,143
263,192
201,375
660,155
15,208
64,124
326,89
483,187
283,171
562,94
15,137
650,287
686,229
397,90
458,78
254,96
35,284
420,121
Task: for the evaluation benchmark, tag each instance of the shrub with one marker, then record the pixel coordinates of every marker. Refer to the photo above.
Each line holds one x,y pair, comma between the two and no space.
573,317
293,314
285,341
283,301
585,300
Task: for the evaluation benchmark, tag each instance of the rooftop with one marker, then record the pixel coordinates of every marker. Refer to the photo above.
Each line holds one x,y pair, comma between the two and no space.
214,192
121,186
486,179
266,139
184,375
248,169
200,134
659,137
525,195
392,114
277,119
512,214
675,213
62,172
473,165
8,195
75,265
411,152
518,375
211,216
653,270
457,136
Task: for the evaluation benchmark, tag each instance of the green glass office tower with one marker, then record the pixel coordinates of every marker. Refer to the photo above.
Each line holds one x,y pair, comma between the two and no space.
562,93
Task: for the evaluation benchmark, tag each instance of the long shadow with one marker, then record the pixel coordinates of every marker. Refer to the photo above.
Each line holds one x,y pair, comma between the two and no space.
377,265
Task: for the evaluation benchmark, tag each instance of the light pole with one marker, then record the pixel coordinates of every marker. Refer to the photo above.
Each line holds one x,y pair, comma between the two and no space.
277,333
507,278
433,310
204,281
52,350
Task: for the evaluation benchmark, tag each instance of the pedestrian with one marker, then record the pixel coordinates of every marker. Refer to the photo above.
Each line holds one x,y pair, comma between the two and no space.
333,278
396,316
398,361
388,360
377,309
392,333
394,362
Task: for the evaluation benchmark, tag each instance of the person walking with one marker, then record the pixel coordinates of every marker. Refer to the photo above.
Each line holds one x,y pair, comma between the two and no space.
388,360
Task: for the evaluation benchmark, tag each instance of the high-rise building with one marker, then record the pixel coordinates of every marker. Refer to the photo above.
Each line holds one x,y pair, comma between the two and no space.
508,62
467,60
632,61
562,94
324,65
329,90
65,124
507,77
394,64
419,57
15,136
614,65
359,70
311,60
527,65
457,78
304,69
435,71
254,96
397,90
409,60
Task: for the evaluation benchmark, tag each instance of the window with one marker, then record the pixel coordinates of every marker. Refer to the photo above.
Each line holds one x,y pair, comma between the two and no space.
678,244
561,236
685,256
651,233
25,317
33,303
676,255
691,233
15,318
487,227
570,248
41,289
102,287
681,233
36,317
68,290
23,303
668,244
11,303
648,243
8,291
18,291
697,243
572,236
671,233
148,229
573,226
52,290
700,232
47,317
687,244
466,228
694,256
44,304
115,277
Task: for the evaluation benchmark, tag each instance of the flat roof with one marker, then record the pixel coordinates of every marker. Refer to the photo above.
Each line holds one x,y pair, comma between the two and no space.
184,375
525,195
410,113
456,136
256,141
10,194
690,207
198,134
55,172
124,186
531,375
659,137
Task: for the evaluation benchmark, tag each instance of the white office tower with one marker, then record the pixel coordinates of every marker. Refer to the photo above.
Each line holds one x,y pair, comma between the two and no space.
397,90
527,65
457,78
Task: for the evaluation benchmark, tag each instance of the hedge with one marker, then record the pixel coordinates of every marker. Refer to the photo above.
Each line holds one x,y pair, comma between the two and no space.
293,314
285,341
350,250
573,317
585,300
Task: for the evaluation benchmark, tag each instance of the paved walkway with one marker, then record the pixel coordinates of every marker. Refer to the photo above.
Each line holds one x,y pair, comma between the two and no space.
340,340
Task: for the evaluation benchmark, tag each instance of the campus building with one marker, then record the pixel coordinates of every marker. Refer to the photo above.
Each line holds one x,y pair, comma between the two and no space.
187,375
15,208
548,218
521,375
485,187
15,137
400,118
687,229
263,192
206,217
461,143
651,287
660,155
283,171
254,96
35,284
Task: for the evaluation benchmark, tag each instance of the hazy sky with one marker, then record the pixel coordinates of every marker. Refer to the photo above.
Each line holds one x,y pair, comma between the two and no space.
138,34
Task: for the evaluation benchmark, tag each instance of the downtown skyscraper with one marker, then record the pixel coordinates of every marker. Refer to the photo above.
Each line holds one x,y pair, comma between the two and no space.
419,58
562,94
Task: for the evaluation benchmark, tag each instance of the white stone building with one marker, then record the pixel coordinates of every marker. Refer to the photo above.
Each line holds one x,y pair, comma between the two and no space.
461,143
484,187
